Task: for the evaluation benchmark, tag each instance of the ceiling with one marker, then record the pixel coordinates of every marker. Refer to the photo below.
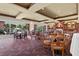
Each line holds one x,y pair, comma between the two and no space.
25,5
59,10
40,11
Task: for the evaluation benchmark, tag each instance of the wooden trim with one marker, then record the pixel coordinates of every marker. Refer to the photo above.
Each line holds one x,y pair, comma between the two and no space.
68,19
34,20
64,20
66,16
30,20
43,20
7,15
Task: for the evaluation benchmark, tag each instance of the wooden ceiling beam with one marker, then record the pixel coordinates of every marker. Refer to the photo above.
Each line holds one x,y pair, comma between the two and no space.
69,19
66,16
30,20
34,20
7,15
19,4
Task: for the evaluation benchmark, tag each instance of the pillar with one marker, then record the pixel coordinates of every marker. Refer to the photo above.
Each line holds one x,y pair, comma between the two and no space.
46,27
31,28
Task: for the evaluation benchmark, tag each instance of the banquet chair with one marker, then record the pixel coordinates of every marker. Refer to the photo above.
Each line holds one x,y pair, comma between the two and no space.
57,46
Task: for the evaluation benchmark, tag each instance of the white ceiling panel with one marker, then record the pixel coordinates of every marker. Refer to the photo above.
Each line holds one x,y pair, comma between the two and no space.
9,9
62,9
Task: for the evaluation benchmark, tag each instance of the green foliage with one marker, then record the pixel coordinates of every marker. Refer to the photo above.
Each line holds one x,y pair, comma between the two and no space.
7,25
26,26
40,29
19,26
13,26
2,31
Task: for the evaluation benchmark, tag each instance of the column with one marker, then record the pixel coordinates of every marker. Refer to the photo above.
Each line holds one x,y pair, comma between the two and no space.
46,27
31,26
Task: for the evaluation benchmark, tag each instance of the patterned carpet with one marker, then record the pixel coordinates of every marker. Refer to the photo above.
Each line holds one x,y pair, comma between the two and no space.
27,48
20,47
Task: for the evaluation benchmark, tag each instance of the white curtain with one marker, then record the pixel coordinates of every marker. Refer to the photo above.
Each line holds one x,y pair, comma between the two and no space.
74,49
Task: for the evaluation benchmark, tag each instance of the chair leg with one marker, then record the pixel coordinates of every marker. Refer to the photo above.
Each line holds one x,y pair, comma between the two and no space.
53,52
62,52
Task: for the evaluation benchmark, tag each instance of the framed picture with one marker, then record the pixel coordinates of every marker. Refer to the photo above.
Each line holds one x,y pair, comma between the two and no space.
71,25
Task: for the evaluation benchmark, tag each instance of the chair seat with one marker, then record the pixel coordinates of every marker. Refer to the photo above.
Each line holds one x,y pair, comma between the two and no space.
58,48
47,41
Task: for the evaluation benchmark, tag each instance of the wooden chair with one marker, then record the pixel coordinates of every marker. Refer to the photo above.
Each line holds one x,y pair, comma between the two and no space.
67,44
57,46
46,44
52,37
59,37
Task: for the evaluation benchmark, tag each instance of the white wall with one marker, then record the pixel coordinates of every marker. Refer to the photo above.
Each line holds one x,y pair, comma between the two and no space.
10,20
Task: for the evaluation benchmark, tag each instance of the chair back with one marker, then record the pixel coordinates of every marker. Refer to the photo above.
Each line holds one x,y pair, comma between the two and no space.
57,44
59,37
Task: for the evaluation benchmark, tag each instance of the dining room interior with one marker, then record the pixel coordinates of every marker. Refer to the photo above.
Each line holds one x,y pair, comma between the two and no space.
39,29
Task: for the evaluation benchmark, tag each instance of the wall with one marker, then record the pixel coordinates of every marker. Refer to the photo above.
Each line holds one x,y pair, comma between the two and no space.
14,21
